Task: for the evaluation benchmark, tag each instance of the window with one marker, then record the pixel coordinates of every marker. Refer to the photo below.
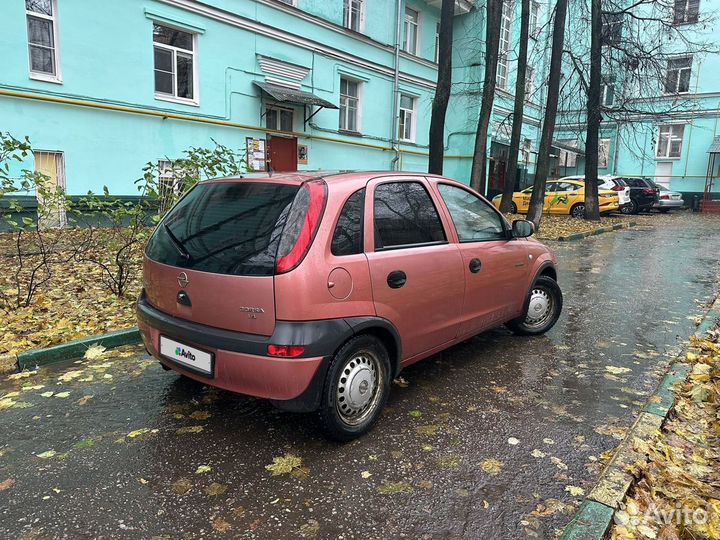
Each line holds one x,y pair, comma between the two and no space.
670,141
437,43
42,39
611,28
677,77
607,92
405,216
174,63
474,219
348,236
534,21
353,14
505,43
410,31
529,83
349,105
279,119
686,11
407,118
603,153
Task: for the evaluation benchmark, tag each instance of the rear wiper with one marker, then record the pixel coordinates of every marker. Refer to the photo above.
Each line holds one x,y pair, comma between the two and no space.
177,243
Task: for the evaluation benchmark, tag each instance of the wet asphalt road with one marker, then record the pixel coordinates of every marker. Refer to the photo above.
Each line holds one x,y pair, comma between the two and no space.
483,441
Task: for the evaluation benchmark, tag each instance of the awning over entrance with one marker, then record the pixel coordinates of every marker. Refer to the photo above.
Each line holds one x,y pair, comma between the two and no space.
568,148
283,94
714,146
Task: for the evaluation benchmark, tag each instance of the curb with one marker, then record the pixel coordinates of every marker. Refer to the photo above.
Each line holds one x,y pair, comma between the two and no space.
592,520
76,348
601,230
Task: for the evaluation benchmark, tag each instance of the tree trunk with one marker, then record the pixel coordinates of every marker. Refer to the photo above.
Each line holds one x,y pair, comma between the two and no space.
518,110
542,167
442,91
478,176
592,209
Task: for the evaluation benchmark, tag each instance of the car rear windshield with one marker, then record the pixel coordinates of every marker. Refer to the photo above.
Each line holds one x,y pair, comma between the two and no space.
225,228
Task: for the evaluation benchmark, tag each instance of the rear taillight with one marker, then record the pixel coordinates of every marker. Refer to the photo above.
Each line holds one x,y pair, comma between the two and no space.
648,190
301,225
617,188
665,197
285,351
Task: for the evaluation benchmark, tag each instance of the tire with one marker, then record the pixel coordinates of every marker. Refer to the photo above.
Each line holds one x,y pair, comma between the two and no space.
664,210
630,208
545,289
577,210
513,208
360,371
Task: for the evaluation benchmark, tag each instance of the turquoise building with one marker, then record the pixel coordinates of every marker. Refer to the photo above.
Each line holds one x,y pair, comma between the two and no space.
670,116
302,84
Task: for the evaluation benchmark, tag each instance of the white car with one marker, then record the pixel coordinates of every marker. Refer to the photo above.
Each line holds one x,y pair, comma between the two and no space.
614,183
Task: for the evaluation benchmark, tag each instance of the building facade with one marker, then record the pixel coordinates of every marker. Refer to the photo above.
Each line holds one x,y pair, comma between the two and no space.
302,84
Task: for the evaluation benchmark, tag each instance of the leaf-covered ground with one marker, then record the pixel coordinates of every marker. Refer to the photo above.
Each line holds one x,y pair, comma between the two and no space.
553,227
678,492
74,303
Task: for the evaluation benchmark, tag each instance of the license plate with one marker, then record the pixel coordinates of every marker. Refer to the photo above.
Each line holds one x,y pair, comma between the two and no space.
187,356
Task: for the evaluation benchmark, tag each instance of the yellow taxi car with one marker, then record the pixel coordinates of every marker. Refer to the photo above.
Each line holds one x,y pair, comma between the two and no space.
562,197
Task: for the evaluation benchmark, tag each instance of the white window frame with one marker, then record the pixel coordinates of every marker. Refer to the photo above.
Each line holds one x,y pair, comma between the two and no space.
529,83
347,12
606,84
278,124
503,67
679,71
534,19
686,10
603,153
402,118
41,75
358,107
407,22
437,42
671,136
174,98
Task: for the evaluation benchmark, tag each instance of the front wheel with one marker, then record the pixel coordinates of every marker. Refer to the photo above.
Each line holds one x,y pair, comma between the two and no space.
544,306
356,388
631,208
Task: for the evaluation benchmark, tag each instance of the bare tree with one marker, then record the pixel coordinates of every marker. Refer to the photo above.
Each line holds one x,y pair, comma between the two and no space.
518,109
592,208
478,175
442,90
543,161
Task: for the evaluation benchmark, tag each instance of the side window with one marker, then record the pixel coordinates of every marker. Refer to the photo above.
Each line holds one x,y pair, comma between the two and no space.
348,236
550,187
474,219
633,182
405,215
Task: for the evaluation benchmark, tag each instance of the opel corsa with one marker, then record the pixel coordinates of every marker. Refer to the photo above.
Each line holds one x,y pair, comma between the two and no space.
315,290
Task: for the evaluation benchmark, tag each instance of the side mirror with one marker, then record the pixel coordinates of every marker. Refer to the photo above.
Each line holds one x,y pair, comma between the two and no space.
522,228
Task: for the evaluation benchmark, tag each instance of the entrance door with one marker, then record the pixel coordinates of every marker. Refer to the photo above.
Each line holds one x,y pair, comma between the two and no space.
663,173
51,164
282,154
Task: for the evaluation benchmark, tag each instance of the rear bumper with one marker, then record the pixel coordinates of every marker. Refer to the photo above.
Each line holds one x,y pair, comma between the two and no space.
667,203
241,363
609,207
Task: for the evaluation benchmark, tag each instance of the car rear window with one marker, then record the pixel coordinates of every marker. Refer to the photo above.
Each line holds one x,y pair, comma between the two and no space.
225,228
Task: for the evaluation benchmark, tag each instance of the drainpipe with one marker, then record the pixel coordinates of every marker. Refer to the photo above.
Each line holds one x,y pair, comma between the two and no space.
616,150
394,164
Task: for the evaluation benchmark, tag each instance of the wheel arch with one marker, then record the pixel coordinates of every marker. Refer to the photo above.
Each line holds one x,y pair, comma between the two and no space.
383,330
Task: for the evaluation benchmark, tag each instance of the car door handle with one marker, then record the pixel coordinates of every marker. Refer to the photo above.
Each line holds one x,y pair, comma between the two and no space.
475,266
396,279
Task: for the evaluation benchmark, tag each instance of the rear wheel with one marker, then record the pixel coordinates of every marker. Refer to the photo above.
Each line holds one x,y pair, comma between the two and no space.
513,208
664,210
544,308
578,210
356,388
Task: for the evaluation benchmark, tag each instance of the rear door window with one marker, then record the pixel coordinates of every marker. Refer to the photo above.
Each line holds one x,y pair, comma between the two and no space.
405,216
474,219
225,228
348,236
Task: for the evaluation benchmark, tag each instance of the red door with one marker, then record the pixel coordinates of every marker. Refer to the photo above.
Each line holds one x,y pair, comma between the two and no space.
282,154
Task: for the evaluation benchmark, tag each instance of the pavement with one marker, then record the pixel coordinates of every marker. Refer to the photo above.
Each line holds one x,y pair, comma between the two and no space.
500,436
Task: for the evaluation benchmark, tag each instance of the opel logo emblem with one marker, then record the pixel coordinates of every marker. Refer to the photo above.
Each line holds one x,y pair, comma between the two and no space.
182,279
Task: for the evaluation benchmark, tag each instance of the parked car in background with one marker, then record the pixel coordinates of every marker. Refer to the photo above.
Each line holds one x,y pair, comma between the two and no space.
315,290
668,200
643,194
563,197
613,183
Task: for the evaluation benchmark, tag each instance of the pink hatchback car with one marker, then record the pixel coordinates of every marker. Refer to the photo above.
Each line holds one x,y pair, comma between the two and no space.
315,290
